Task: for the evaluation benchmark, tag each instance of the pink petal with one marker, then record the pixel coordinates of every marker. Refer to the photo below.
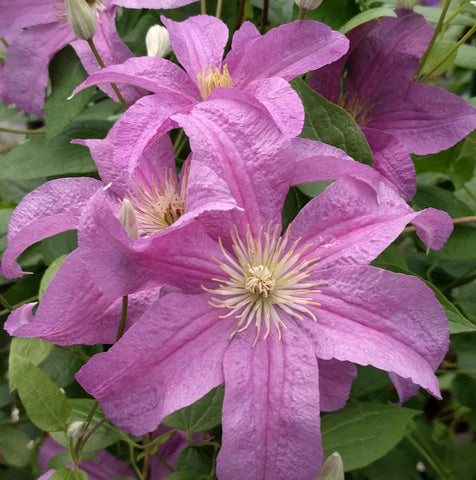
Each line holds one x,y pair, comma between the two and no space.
375,317
52,208
244,36
335,381
145,377
34,47
286,51
234,136
154,4
270,409
74,311
150,74
281,101
198,42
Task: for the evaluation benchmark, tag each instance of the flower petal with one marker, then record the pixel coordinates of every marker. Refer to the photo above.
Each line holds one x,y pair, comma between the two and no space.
335,381
167,360
244,35
286,51
388,320
52,208
235,137
197,43
74,311
149,73
270,410
34,47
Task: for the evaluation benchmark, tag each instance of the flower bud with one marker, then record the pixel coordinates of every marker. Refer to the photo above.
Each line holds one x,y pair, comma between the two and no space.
81,18
157,41
308,4
333,468
76,430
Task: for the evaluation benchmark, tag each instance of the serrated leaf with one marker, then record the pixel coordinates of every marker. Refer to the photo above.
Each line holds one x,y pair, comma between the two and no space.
201,416
14,446
44,402
364,432
66,73
331,124
50,274
39,157
103,437
367,16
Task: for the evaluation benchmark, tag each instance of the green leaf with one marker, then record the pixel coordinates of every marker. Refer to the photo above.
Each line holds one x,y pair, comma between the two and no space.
31,350
66,73
331,124
466,57
437,53
67,474
61,366
460,245
436,197
14,446
5,214
50,274
201,416
197,459
367,16
103,437
332,13
363,432
279,11
44,402
39,157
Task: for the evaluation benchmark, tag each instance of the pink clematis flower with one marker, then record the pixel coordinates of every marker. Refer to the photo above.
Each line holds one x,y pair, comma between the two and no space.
36,32
259,65
397,116
281,320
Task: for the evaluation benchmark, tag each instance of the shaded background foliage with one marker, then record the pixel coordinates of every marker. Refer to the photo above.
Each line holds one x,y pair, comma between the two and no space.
425,439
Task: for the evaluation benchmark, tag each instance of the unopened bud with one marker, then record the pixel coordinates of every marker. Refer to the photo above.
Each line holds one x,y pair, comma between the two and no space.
127,217
308,4
333,468
157,41
76,430
81,18
408,4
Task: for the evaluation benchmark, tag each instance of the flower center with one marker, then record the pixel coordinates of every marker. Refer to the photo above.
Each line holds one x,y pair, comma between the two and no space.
160,205
207,83
357,107
266,282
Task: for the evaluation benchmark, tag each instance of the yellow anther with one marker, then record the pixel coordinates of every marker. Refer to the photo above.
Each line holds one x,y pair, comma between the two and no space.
212,80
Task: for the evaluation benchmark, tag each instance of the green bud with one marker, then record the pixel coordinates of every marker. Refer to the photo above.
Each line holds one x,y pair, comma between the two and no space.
333,468
81,18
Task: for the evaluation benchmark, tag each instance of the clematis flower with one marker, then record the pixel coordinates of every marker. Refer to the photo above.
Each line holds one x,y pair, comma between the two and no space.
41,30
281,320
397,116
259,65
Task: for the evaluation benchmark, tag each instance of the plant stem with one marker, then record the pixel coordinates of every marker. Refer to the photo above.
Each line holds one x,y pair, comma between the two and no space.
302,13
38,131
264,17
241,11
432,462
219,7
145,467
6,303
452,16
101,64
455,221
433,40
4,41
203,7
450,53
13,307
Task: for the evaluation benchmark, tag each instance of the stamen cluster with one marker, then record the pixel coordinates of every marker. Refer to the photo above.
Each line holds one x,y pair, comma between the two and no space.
267,281
212,80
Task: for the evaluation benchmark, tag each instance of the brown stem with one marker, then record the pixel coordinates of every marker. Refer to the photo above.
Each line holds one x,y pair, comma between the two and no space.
145,468
241,11
264,17
302,13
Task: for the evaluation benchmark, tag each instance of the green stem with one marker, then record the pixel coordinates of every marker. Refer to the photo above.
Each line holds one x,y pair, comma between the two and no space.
455,221
203,7
10,308
101,64
432,462
450,19
450,53
433,40
302,13
6,303
38,131
4,41
76,351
